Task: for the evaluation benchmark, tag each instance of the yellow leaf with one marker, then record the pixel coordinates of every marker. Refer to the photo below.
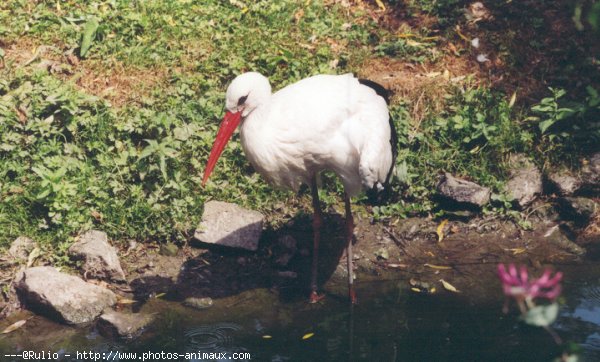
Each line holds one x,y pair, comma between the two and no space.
14,326
160,295
433,74
449,286
513,98
413,43
126,301
462,36
440,230
380,4
308,335
417,290
266,336
516,251
439,267
405,35
35,253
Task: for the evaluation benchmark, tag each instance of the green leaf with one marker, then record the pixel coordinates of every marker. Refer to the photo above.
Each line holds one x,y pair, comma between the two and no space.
541,316
544,125
89,33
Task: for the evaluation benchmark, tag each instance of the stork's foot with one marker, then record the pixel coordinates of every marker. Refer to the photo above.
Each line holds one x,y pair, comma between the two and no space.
314,297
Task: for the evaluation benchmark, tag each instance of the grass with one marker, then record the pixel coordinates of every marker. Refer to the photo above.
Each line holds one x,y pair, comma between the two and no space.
115,137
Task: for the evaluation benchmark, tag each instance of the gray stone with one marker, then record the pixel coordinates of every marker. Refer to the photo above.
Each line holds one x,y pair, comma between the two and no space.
114,324
21,247
463,191
525,181
100,259
168,249
566,183
578,208
285,249
230,225
198,303
61,296
590,172
556,237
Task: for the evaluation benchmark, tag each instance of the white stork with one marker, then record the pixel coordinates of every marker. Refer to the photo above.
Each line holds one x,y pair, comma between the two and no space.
325,122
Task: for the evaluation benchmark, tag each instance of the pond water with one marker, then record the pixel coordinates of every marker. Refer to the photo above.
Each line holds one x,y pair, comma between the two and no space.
391,323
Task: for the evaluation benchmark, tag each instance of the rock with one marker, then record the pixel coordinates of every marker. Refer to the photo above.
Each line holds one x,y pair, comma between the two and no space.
288,274
61,296
21,247
577,208
463,191
114,324
556,237
198,303
565,183
590,172
230,225
168,249
525,181
284,250
100,259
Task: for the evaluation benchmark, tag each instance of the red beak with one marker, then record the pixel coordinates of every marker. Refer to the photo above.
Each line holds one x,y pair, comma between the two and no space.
228,125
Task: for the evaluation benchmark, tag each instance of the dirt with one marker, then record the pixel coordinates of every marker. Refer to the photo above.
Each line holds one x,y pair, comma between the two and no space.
115,82
410,250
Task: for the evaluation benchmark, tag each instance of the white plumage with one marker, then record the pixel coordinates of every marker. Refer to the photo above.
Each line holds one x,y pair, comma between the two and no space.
325,122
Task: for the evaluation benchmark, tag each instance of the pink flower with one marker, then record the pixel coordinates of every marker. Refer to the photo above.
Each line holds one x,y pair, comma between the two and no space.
516,283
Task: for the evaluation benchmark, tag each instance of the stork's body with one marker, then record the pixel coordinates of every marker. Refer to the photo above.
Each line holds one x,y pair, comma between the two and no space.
324,122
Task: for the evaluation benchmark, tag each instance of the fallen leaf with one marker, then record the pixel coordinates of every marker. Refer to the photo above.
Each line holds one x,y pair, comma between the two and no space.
405,35
299,15
417,290
449,286
413,43
307,335
439,267
482,58
433,74
440,230
126,301
462,36
513,98
380,4
266,336
516,251
160,295
35,253
453,49
13,327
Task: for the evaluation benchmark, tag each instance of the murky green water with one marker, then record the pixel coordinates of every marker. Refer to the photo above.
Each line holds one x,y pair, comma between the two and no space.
391,323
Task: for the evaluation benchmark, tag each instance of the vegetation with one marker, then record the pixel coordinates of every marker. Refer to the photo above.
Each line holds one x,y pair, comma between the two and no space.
108,109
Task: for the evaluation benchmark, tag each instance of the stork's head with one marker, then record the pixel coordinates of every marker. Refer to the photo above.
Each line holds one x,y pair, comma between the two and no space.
246,92
244,95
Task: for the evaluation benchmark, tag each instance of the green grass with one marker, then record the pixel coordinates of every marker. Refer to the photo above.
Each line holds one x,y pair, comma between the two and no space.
71,160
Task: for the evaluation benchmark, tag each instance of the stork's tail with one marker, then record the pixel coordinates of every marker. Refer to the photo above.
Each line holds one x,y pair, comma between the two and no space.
381,192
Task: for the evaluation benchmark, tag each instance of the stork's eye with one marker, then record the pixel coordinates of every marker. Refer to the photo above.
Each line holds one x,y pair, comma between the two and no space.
242,100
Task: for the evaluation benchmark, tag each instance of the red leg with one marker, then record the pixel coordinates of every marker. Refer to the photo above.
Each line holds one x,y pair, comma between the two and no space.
317,223
349,235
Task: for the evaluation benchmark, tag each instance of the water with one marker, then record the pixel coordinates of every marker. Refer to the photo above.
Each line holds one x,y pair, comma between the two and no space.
391,323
